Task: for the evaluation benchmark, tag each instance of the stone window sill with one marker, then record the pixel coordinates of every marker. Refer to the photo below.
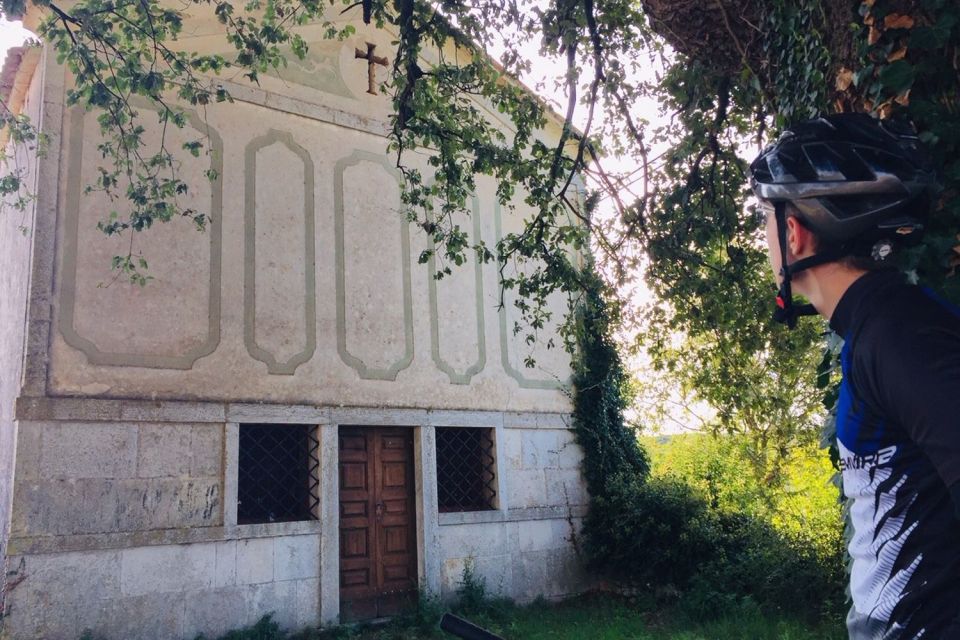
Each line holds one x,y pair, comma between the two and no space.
271,529
511,515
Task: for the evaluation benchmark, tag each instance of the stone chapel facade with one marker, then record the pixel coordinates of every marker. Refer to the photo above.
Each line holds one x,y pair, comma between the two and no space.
293,416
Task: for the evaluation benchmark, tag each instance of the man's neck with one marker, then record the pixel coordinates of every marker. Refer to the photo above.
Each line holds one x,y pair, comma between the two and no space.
825,284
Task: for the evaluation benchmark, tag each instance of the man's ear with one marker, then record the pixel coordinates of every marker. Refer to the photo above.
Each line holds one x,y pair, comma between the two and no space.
800,240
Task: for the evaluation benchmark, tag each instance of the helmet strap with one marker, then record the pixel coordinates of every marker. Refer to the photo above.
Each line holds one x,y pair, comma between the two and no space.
787,312
830,255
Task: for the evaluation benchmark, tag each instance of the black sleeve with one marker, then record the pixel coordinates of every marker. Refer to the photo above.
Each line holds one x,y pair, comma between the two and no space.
916,368
955,493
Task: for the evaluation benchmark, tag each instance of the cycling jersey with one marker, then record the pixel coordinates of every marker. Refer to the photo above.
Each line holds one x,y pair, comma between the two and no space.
898,432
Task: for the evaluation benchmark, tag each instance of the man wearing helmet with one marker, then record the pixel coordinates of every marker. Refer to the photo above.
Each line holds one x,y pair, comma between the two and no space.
842,191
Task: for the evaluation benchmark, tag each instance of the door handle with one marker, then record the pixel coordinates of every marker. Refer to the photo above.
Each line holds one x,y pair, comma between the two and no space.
379,511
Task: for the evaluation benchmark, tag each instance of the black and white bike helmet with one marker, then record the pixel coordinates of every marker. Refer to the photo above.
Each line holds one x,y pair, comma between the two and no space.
856,182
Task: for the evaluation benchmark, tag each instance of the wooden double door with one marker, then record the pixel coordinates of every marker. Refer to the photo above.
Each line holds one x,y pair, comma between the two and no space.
378,552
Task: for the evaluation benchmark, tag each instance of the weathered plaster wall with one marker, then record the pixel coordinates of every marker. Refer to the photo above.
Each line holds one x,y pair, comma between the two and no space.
306,285
16,243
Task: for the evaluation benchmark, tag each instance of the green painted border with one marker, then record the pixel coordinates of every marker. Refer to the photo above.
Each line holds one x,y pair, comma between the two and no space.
70,247
365,372
289,367
443,365
522,380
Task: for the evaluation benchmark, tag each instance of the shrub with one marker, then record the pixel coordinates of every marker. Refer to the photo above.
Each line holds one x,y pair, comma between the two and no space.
781,536
654,533
755,564
663,536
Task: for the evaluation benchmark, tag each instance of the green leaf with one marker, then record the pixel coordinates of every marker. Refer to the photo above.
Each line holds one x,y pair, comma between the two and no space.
824,369
897,77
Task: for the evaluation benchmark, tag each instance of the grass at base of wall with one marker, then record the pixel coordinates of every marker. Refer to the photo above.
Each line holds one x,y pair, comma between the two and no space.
591,617
608,617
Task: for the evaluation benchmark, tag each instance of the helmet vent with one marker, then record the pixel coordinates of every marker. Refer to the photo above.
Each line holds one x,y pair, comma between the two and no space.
824,162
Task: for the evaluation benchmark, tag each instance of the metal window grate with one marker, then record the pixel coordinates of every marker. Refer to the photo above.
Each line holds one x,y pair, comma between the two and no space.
465,469
278,473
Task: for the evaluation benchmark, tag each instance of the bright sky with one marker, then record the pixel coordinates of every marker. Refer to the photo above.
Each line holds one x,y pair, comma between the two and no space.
12,34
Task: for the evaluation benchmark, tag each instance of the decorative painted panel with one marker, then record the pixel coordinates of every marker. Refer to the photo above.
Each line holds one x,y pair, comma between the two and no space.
458,341
552,365
374,307
280,306
175,319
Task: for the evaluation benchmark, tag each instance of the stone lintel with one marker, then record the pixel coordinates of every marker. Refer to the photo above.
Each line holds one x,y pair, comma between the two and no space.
537,420
78,409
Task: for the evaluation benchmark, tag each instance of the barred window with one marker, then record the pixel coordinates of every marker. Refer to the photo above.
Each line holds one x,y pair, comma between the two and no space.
466,479
278,473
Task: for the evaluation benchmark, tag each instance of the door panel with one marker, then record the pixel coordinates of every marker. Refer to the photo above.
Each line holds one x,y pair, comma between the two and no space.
357,551
378,560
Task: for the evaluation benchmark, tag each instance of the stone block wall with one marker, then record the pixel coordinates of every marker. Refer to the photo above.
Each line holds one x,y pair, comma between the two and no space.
93,477
123,528
166,591
128,528
543,466
528,548
521,560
